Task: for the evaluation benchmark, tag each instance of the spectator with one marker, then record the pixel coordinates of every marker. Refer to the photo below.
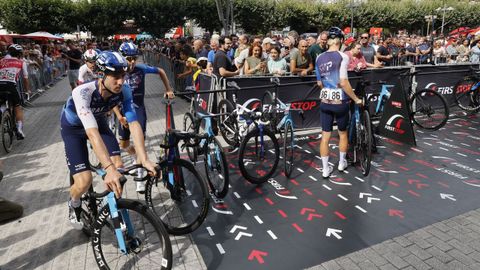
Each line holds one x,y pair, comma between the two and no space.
475,53
452,51
255,64
383,54
233,49
74,55
240,60
439,52
301,62
3,49
211,53
423,50
320,46
463,51
242,44
267,45
411,52
367,50
275,64
222,65
357,60
199,49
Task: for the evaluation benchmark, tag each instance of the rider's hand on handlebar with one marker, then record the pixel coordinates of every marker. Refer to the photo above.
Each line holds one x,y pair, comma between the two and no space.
112,181
123,122
150,166
169,94
359,102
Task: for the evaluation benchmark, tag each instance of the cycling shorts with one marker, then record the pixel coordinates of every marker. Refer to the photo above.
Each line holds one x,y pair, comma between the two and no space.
124,133
340,112
76,148
9,90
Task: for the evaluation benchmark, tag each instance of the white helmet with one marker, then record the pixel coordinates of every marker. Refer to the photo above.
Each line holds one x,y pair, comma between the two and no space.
90,55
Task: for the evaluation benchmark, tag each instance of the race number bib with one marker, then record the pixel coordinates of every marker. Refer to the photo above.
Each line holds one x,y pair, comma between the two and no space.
8,74
331,94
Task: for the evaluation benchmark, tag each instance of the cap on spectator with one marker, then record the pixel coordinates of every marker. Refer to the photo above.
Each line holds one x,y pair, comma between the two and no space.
268,40
349,41
202,59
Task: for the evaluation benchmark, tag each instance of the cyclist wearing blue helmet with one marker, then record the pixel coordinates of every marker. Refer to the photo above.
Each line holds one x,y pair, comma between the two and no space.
83,118
335,94
135,78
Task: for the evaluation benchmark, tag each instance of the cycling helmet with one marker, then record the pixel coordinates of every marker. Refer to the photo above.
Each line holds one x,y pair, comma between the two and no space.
128,49
111,62
90,55
15,50
335,32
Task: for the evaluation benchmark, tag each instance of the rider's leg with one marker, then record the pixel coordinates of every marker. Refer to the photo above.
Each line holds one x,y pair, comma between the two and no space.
342,122
81,183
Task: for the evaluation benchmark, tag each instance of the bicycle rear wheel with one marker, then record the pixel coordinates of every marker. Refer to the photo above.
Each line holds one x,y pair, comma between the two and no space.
288,149
7,131
364,143
465,98
228,123
147,242
259,155
180,202
216,168
372,104
189,126
429,109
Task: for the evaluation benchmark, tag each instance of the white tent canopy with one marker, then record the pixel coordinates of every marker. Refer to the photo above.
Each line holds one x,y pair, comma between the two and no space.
42,34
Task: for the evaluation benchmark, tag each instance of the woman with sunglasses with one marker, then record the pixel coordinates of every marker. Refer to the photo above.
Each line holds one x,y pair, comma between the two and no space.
135,78
86,72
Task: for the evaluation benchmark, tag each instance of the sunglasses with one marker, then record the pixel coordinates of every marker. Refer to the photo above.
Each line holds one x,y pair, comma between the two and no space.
363,37
131,58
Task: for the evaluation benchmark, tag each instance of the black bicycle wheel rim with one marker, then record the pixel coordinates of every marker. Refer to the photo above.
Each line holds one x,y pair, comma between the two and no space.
7,132
158,255
251,154
181,208
464,98
189,126
366,144
228,123
217,169
429,109
288,149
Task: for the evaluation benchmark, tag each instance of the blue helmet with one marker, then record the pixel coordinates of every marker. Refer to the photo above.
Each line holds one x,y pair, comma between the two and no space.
111,62
335,32
128,49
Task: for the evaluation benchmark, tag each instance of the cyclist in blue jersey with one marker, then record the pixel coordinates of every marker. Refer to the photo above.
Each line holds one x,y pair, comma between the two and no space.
335,94
135,78
83,118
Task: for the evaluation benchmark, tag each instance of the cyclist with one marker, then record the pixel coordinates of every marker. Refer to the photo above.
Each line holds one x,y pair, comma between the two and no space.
135,78
10,67
83,118
332,78
87,71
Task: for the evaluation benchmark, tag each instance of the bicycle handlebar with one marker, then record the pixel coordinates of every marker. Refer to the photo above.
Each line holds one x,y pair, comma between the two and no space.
187,137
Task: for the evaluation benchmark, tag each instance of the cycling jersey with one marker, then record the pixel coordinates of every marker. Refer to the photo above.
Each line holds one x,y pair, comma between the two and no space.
85,74
136,81
86,105
330,68
10,69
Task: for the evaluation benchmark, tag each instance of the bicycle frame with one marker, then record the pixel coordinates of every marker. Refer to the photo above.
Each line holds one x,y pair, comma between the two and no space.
385,92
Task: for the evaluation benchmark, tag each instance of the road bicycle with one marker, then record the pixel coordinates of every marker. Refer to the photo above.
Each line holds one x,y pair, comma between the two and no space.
216,166
428,108
124,233
178,195
7,122
467,92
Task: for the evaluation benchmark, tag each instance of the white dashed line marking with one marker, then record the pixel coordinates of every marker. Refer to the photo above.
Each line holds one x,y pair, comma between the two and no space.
444,149
247,206
460,154
359,179
220,249
395,198
237,195
194,203
306,151
377,188
318,157
300,170
342,197
258,219
327,187
361,209
210,231
429,144
274,237
419,131
464,144
313,178
448,140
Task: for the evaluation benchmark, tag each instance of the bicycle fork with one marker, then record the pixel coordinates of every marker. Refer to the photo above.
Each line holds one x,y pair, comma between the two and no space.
121,222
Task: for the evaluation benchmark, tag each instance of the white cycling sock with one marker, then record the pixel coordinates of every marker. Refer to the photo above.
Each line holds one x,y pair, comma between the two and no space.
75,203
343,155
325,163
19,125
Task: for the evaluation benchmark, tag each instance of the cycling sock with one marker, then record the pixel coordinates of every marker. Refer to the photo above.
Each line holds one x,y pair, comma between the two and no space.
19,125
75,203
343,155
325,162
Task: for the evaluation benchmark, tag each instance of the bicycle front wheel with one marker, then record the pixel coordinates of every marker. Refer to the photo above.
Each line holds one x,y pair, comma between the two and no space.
7,131
216,168
259,155
429,109
288,149
364,143
147,242
465,98
189,126
181,199
228,123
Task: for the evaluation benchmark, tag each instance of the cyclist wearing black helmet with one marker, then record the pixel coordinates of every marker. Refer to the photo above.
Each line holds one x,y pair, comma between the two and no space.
335,94
10,67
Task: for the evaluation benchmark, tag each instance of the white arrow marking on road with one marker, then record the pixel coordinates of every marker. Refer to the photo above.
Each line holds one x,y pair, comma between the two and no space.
247,206
364,194
210,231
395,198
384,171
225,212
274,237
334,232
361,209
370,199
234,228
240,234
220,249
313,178
447,196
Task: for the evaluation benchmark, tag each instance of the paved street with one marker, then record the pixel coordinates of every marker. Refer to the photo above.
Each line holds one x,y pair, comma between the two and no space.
36,177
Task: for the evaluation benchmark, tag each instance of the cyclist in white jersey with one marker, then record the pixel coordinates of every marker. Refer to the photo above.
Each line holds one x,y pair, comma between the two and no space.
86,72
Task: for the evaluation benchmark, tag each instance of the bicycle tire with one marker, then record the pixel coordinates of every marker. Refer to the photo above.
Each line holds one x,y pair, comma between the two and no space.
264,172
228,123
372,103
427,103
7,132
288,149
465,99
162,198
216,169
365,143
189,126
161,247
